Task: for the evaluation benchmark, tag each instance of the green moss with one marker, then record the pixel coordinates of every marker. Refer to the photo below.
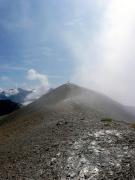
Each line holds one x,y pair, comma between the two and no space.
106,120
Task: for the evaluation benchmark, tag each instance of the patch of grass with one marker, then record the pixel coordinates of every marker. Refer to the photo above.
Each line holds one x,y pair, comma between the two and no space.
106,120
133,125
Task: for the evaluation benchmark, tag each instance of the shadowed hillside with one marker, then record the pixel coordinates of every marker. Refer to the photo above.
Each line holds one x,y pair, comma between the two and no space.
7,106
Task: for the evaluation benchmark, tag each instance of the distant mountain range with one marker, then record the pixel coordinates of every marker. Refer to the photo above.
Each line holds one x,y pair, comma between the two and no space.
13,99
16,95
21,96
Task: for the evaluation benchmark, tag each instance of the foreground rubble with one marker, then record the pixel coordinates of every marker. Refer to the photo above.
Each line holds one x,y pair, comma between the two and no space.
104,154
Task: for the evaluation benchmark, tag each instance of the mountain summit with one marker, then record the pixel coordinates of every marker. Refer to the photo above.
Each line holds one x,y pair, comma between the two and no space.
90,99
69,133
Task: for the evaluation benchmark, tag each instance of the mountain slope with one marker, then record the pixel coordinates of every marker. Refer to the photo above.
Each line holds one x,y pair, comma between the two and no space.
131,109
21,96
63,136
85,97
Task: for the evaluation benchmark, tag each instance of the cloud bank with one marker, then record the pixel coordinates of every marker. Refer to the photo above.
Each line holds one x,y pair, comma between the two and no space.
105,60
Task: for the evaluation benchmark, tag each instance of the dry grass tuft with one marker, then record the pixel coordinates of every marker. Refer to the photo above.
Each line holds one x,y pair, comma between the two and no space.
133,125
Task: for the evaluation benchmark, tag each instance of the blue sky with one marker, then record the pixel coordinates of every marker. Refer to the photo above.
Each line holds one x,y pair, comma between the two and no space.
88,42
30,37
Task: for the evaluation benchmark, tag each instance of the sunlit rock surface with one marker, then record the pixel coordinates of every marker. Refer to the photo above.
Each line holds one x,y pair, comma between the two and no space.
103,154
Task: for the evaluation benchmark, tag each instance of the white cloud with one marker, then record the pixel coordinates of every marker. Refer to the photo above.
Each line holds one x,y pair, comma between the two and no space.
114,73
42,78
41,88
104,61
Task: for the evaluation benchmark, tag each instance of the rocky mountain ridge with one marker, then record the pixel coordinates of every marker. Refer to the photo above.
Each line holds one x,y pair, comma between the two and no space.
68,134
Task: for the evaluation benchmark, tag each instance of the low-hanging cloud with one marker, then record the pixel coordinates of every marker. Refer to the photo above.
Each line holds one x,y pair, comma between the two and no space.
42,78
42,85
104,60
